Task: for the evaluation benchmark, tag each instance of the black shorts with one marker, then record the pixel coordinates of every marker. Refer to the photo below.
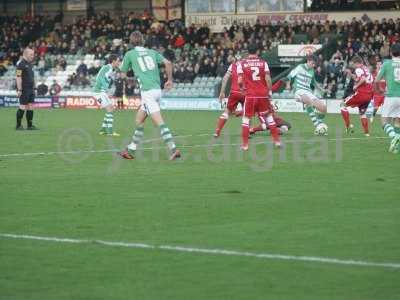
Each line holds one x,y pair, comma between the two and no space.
26,98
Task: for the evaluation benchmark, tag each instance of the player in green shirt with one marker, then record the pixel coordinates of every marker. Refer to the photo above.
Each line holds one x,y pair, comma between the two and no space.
303,76
144,63
103,82
390,111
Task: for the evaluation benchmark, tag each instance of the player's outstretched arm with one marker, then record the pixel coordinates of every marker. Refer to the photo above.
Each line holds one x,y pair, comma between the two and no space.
288,86
168,69
318,86
269,83
223,85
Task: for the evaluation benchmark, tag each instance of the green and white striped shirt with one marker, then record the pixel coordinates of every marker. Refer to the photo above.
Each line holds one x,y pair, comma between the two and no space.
303,77
104,79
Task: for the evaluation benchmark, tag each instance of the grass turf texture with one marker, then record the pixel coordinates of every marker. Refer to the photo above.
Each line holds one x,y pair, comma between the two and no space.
341,205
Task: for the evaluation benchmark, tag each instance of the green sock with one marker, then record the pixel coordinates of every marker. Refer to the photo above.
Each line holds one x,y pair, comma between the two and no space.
320,115
136,139
109,118
167,137
389,130
313,116
104,125
397,130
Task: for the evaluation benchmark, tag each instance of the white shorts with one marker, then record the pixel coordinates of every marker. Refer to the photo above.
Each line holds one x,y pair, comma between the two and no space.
103,99
299,93
150,101
391,107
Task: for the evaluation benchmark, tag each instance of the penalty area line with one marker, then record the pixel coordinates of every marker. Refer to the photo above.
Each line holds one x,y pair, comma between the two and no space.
216,252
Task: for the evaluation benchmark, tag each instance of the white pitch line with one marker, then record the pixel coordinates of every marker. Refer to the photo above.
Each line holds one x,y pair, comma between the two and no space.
324,260
182,146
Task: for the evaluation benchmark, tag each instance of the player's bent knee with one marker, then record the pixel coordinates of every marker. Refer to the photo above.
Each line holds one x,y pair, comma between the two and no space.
305,100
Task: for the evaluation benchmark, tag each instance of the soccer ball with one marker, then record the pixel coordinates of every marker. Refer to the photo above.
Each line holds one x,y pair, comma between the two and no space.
321,129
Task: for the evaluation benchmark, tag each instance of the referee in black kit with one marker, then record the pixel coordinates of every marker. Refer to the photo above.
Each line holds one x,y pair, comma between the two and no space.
25,89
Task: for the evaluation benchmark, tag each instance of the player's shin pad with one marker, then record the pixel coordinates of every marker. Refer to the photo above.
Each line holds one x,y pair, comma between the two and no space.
167,137
313,116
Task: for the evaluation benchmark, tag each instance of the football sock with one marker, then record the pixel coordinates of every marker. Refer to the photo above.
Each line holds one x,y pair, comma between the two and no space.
136,139
29,117
167,137
108,121
221,123
397,130
273,129
258,128
389,130
313,116
346,116
245,133
262,126
364,123
20,115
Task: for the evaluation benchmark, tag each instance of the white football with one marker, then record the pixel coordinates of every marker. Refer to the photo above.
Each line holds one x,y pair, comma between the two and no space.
321,129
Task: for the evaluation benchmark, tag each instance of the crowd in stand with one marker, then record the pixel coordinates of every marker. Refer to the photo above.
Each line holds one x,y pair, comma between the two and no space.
348,5
194,50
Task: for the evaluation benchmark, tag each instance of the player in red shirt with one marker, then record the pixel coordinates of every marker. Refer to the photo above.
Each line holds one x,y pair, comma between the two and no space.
255,78
379,97
235,96
363,93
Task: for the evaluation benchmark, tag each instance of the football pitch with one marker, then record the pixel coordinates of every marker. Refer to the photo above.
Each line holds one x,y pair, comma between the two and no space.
319,219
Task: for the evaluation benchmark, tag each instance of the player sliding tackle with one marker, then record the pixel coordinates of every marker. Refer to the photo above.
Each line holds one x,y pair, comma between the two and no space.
254,77
363,93
103,82
144,63
390,112
303,77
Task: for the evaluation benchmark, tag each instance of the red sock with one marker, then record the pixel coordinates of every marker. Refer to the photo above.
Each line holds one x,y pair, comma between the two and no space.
258,128
346,117
245,134
220,124
364,123
274,132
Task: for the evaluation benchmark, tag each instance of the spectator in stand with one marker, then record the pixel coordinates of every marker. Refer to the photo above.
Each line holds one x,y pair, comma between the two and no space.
42,89
179,41
93,70
180,74
82,69
62,62
320,75
330,91
42,49
41,66
55,89
81,80
129,88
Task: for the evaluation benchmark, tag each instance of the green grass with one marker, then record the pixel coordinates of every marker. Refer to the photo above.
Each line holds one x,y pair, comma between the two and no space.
325,198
